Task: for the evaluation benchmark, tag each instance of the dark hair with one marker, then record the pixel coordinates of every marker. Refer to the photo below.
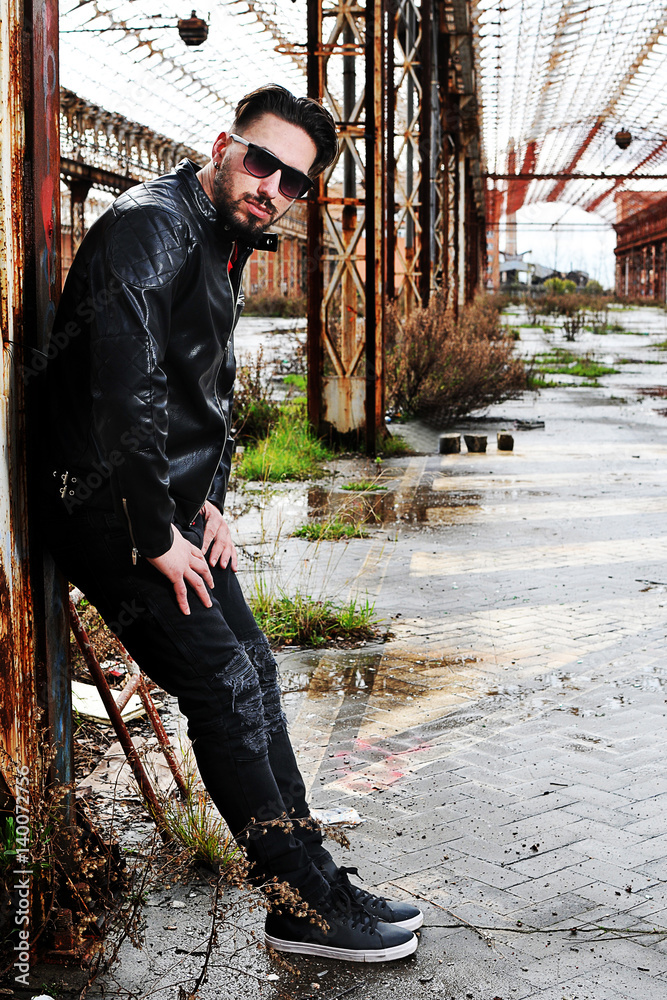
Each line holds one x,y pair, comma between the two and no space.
305,112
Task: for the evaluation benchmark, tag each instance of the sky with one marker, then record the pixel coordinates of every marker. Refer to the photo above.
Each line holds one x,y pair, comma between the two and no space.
566,238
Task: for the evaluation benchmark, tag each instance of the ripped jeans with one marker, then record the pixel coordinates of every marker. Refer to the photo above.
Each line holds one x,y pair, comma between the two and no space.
218,664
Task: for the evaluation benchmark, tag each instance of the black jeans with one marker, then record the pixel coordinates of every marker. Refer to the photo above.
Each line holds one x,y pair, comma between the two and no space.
218,664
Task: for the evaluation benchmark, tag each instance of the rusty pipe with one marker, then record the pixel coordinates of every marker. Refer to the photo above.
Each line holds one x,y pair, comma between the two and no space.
109,702
155,720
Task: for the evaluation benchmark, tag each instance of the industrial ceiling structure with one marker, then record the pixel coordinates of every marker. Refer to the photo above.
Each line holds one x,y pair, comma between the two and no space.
556,80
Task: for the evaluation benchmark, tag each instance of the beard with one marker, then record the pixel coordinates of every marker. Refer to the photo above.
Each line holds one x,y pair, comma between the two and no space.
231,213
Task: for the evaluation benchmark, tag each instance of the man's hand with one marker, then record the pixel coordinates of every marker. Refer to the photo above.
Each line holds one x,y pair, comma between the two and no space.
185,563
217,538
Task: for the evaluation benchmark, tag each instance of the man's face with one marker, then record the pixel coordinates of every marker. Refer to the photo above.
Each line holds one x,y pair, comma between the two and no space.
247,204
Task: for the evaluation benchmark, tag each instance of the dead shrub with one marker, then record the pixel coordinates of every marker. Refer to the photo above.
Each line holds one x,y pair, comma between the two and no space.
441,369
255,412
274,304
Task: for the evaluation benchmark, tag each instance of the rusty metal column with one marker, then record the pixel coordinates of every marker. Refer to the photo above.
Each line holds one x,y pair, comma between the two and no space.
315,231
425,152
349,309
374,223
78,193
452,152
34,697
390,185
461,228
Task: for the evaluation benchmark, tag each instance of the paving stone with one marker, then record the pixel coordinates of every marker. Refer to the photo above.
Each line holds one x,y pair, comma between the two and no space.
544,863
548,673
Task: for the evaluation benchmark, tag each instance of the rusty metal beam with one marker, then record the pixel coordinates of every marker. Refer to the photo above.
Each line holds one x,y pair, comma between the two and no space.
594,203
77,171
518,187
558,188
558,175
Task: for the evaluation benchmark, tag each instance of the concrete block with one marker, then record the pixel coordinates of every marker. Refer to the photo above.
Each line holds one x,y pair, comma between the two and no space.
449,444
505,441
475,442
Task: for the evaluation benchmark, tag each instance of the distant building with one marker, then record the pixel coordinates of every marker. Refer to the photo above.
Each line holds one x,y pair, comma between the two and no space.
641,246
515,270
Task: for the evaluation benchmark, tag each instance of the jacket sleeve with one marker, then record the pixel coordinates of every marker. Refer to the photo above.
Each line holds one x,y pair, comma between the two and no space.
226,396
146,248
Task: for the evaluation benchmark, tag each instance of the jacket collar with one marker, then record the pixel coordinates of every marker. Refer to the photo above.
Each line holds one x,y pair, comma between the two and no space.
186,171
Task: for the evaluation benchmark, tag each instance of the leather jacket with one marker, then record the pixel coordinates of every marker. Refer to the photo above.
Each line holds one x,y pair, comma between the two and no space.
141,361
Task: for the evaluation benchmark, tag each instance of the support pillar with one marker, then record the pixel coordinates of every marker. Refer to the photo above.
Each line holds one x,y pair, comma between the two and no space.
78,190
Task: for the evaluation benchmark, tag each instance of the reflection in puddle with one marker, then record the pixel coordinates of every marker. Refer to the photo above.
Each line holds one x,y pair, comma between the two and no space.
398,676
423,505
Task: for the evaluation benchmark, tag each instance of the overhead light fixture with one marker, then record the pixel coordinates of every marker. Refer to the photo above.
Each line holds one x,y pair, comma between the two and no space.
623,139
193,30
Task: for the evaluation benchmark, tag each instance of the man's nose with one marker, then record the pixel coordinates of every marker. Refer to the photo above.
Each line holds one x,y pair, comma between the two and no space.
268,186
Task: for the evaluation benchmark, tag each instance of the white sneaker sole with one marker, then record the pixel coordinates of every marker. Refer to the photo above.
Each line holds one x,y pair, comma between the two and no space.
344,954
412,924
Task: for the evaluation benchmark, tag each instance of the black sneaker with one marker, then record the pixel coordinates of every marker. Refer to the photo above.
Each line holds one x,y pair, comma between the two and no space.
353,934
389,911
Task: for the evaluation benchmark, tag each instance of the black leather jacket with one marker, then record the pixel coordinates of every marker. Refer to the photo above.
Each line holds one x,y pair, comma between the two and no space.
141,361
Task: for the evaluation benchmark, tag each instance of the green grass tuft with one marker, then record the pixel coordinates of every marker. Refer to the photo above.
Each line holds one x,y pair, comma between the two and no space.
363,486
303,621
330,531
394,446
564,362
291,451
299,382
201,830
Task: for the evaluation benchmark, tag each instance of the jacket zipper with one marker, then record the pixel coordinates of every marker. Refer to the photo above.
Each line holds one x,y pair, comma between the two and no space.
135,550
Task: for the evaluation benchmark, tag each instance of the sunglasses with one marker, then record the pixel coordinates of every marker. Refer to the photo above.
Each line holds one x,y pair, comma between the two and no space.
259,162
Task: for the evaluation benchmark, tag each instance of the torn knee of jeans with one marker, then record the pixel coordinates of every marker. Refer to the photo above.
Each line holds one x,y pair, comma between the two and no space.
264,662
239,679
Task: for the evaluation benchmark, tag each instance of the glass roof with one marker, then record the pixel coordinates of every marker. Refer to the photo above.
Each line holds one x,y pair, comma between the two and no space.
557,79
127,57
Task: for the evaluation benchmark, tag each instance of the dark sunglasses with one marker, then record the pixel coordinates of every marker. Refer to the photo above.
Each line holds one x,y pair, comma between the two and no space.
259,162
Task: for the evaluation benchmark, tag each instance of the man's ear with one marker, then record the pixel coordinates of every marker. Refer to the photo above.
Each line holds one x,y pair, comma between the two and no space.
219,147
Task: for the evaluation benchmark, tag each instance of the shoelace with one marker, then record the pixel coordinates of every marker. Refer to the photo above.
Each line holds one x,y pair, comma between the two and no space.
345,903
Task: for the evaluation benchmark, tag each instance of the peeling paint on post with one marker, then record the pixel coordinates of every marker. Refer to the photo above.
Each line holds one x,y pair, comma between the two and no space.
29,282
17,675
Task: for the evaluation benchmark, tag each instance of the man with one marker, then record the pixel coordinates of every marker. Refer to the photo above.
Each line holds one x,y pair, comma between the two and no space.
138,405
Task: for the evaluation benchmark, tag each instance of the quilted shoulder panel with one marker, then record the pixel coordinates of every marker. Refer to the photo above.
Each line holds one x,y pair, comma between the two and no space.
148,245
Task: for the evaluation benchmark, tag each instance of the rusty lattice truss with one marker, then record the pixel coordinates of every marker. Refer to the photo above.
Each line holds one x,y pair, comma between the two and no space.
402,206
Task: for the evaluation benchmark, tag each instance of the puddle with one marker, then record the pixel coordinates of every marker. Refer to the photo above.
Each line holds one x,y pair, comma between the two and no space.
423,505
321,673
398,676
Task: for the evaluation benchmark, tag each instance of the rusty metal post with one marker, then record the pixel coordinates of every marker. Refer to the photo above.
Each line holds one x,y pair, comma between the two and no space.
461,228
42,292
425,152
390,179
374,222
78,193
33,702
348,300
316,313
